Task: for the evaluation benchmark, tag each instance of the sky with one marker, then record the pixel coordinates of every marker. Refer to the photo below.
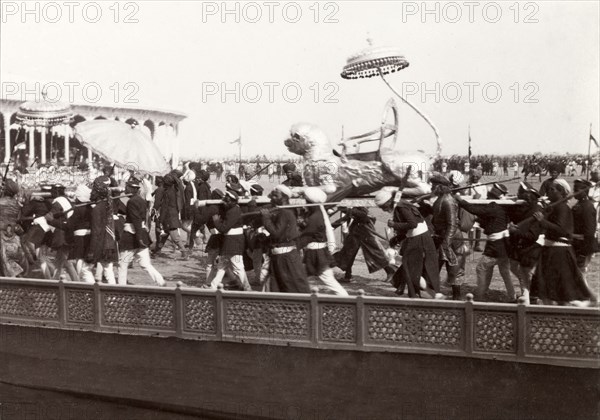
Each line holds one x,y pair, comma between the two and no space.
524,76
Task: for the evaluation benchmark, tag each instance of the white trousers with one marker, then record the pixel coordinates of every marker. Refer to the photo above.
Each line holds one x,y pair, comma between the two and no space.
331,283
265,269
106,270
233,264
46,263
84,271
143,255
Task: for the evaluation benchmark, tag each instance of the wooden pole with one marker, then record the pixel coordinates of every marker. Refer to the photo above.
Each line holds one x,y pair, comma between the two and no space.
89,203
549,206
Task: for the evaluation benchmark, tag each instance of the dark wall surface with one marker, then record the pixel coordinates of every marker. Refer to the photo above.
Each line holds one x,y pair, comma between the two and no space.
232,380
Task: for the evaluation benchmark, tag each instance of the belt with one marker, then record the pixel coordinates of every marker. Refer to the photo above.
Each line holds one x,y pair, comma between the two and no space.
82,232
129,228
540,240
43,223
419,230
316,245
559,242
235,231
282,250
496,236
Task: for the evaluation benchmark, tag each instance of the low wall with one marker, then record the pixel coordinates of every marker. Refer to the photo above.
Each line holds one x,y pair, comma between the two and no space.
243,355
235,380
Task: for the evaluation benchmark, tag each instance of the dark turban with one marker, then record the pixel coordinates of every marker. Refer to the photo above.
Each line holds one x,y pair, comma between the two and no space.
440,179
204,175
100,188
11,188
289,167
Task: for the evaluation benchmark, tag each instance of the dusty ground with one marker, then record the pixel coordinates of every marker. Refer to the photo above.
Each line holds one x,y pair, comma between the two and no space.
192,272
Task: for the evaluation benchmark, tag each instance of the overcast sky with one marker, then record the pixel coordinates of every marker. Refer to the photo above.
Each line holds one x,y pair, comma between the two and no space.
525,76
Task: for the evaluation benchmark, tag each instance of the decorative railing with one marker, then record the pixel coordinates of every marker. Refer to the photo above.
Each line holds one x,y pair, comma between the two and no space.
566,336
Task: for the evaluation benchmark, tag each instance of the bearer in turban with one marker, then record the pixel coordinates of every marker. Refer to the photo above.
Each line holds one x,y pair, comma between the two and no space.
135,240
287,271
103,243
314,239
234,244
419,256
558,278
494,221
294,179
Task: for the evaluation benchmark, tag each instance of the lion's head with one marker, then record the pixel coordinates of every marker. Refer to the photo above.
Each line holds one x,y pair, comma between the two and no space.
309,141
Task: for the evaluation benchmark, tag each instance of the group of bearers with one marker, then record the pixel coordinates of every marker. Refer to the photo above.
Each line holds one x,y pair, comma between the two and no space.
544,243
283,245
546,246
88,234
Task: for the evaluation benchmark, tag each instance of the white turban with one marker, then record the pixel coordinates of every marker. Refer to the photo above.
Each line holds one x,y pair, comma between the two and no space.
382,197
315,195
82,193
456,177
285,190
189,175
564,184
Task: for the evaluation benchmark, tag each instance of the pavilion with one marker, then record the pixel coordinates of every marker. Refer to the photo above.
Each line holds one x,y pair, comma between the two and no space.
58,142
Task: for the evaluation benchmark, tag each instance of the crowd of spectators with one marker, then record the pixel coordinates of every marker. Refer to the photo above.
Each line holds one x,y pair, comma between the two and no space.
518,165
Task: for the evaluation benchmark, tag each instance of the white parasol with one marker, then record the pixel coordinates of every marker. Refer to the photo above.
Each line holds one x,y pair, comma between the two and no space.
123,144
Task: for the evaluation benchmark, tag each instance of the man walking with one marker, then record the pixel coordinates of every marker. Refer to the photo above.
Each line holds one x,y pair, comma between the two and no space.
135,240
287,271
494,221
317,257
234,244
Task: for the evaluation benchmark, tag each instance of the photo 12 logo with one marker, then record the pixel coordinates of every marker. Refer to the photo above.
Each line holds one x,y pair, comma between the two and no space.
71,92
68,11
488,92
469,11
269,11
254,92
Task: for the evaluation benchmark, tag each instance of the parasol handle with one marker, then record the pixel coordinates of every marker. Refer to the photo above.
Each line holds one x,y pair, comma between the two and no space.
427,120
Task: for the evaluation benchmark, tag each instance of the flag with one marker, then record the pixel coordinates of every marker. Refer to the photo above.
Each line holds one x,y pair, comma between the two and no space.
594,140
238,141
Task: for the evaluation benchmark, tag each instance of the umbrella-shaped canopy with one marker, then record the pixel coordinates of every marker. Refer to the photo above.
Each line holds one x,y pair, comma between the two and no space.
122,144
372,61
379,61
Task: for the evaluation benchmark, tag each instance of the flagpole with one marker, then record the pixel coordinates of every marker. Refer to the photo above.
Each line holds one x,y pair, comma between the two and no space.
469,146
240,146
589,156
597,155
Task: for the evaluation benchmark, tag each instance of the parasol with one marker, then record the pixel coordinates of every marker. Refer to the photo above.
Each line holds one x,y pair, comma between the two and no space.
379,61
122,144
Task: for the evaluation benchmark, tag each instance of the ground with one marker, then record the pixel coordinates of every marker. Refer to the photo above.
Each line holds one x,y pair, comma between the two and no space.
192,272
